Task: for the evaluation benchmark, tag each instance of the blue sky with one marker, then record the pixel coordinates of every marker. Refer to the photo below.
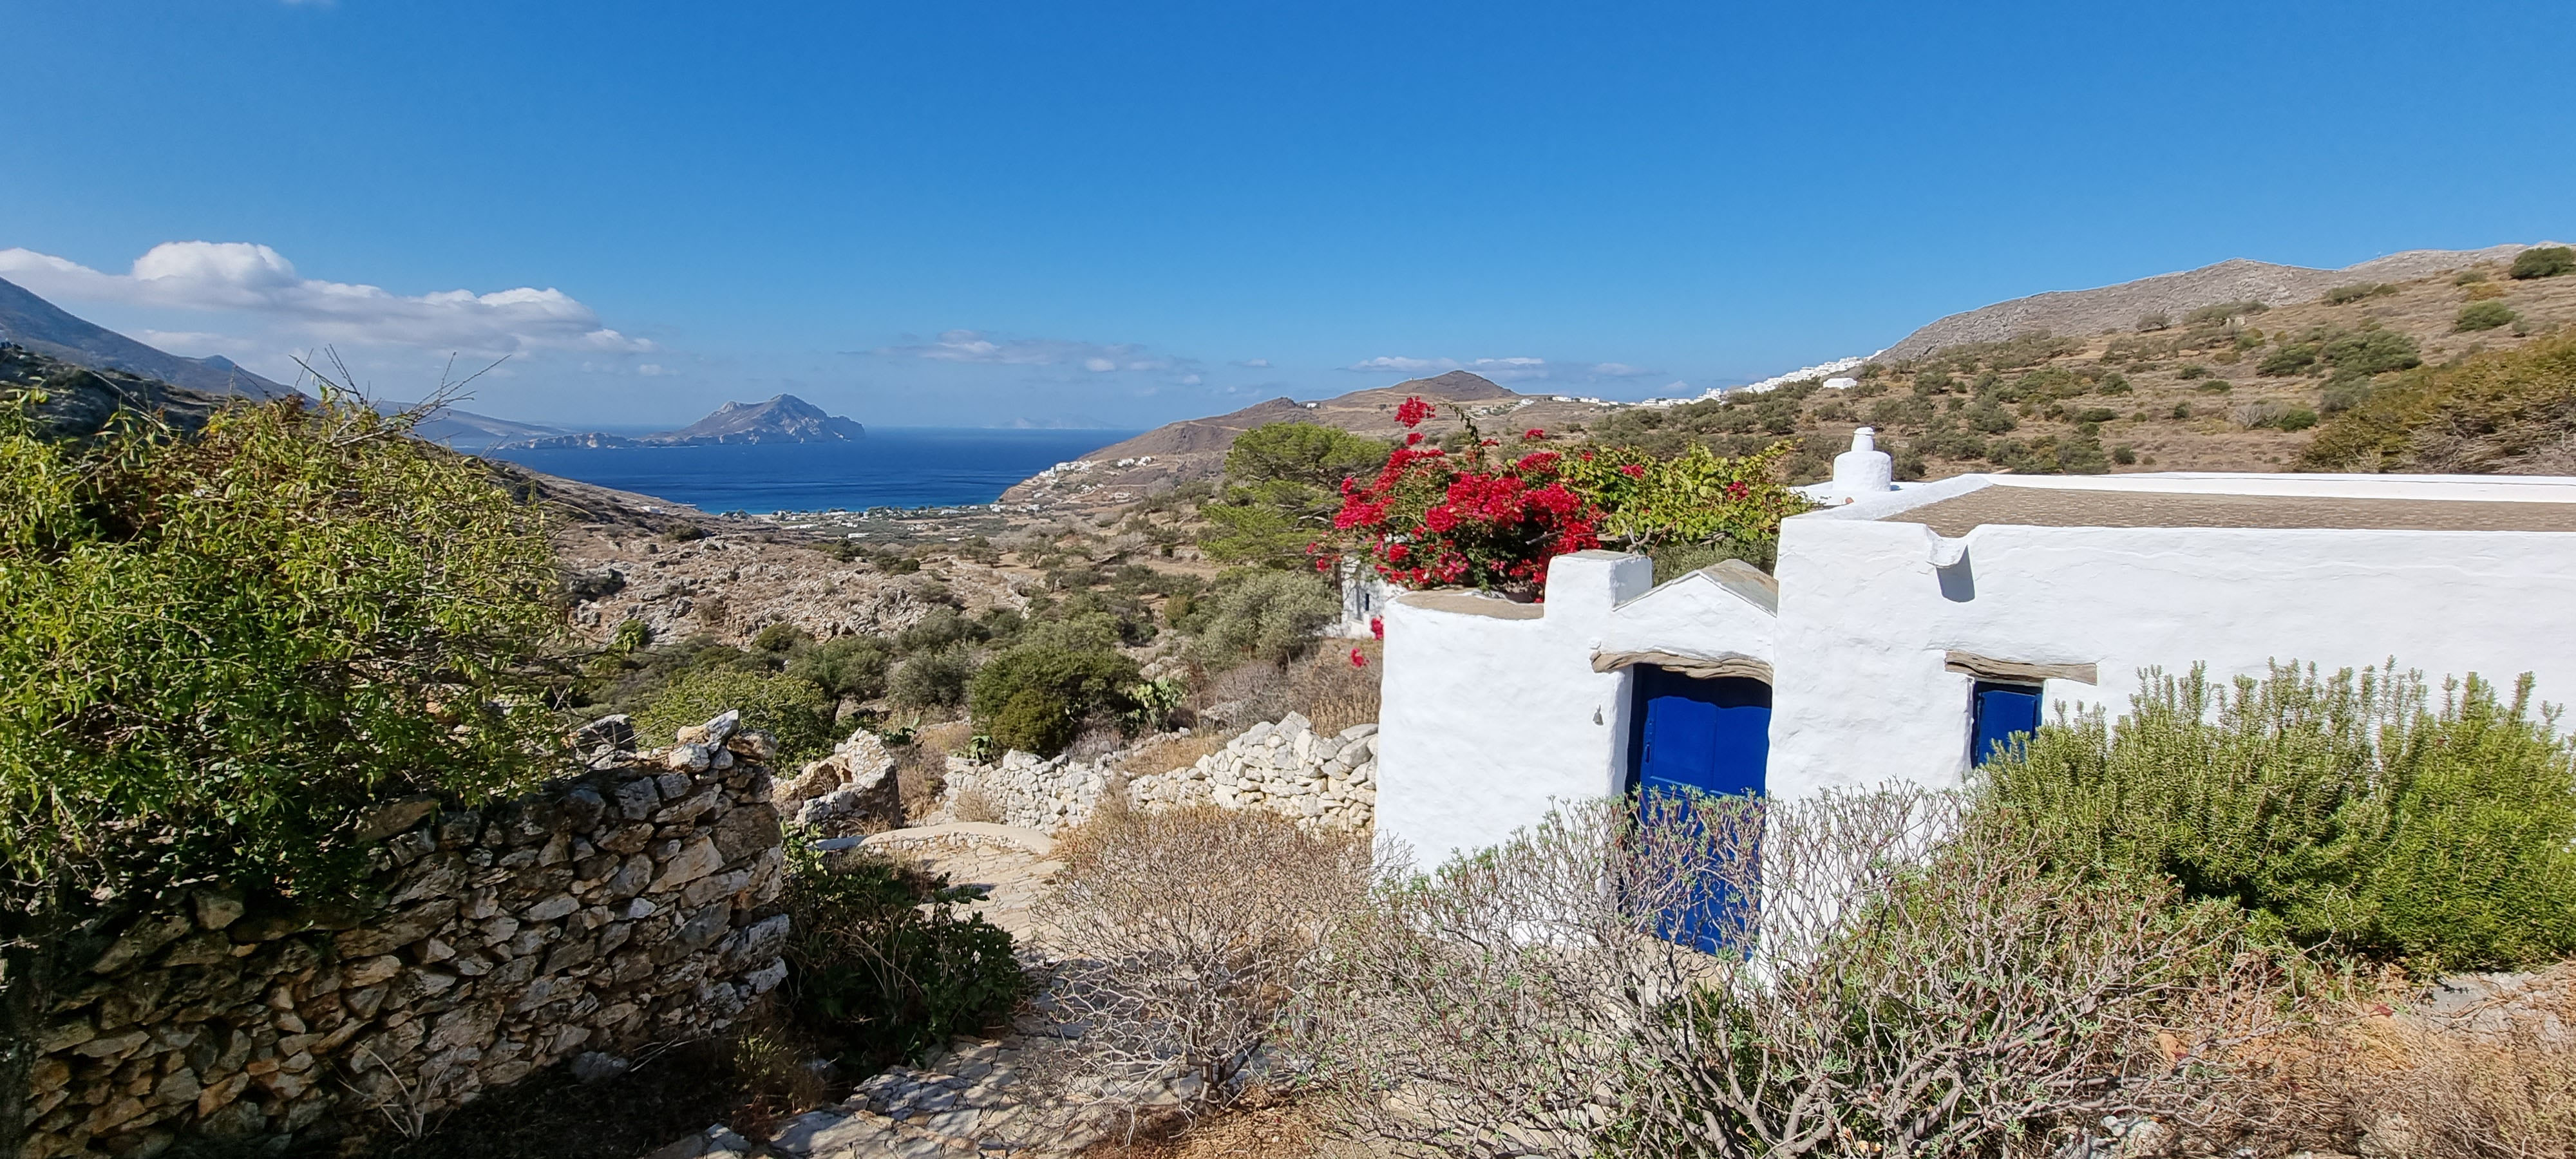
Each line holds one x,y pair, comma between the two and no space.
1118,214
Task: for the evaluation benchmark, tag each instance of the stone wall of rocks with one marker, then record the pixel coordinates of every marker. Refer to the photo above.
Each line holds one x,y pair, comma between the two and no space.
1324,780
1026,790
634,904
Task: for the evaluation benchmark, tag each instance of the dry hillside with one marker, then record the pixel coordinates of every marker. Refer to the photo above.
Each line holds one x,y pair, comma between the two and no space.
2222,387
2235,280
2222,368
1195,449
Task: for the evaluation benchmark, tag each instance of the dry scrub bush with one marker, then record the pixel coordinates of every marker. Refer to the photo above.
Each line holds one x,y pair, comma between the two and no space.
1919,988
1327,688
973,804
1183,936
1334,693
2494,1080
1164,754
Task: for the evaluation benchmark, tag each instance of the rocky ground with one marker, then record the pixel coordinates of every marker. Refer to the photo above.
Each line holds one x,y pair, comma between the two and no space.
730,586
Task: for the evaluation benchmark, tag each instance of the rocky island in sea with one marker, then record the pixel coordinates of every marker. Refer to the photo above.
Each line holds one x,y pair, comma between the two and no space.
783,419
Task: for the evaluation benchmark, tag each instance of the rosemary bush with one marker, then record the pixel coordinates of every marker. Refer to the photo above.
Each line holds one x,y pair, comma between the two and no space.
2353,810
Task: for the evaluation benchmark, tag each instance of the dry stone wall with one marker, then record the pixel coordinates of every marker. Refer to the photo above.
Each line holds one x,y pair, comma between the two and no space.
1327,781
634,904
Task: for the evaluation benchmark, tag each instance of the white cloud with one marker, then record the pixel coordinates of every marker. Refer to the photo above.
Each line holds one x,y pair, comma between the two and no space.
245,278
1400,363
978,347
1622,370
1255,363
198,343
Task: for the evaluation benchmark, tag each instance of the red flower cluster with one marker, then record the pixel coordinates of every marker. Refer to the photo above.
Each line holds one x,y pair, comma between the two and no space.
1431,518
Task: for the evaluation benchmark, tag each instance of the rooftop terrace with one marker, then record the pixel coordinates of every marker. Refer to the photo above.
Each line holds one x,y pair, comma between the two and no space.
2388,503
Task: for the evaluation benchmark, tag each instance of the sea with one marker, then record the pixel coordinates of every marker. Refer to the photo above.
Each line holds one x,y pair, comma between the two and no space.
891,467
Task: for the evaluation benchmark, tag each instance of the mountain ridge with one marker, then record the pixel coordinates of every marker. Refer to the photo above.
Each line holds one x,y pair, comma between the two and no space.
50,330
1195,448
2121,304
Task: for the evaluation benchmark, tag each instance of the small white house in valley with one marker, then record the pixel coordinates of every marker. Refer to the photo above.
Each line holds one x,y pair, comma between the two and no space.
1909,630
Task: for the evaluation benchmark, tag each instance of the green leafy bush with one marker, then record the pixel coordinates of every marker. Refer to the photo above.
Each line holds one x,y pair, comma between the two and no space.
1269,616
2349,811
933,679
2290,358
2223,312
215,649
941,628
2358,291
2371,349
1035,720
788,707
2296,419
2501,411
844,666
1037,697
879,958
2483,316
2546,261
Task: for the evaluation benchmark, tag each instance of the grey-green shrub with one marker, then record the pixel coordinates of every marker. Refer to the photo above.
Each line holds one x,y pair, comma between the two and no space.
2546,261
851,666
933,679
2358,291
2485,315
2352,811
1267,615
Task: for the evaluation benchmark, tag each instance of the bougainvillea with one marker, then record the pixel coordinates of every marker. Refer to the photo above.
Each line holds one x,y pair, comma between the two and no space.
1478,518
1486,517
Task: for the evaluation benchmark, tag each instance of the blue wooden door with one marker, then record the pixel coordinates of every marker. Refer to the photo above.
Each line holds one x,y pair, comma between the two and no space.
1999,712
1701,737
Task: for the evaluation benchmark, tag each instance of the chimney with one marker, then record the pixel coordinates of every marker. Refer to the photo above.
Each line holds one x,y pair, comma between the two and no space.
1862,471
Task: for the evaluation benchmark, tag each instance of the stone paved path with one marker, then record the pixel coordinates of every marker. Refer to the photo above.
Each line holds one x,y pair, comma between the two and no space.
979,1096
1012,864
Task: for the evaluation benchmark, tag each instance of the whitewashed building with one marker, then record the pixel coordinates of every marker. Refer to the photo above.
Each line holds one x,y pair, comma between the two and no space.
1908,630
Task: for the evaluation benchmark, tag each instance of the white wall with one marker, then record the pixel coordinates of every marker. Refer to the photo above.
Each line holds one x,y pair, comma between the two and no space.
1861,695
1492,713
1490,710
1697,615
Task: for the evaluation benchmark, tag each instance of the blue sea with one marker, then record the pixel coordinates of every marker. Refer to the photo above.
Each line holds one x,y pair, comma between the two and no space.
891,467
